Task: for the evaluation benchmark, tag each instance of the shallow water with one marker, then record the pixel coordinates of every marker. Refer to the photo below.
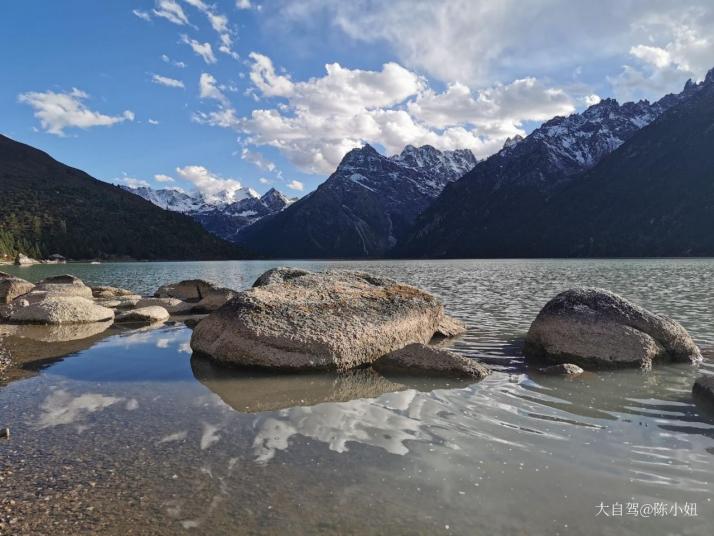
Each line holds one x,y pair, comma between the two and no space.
129,434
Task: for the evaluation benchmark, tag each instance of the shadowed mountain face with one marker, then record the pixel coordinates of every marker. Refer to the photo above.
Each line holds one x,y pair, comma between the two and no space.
363,208
498,209
48,207
653,197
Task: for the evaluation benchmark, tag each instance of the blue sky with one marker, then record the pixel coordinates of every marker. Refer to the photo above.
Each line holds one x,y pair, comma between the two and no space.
198,94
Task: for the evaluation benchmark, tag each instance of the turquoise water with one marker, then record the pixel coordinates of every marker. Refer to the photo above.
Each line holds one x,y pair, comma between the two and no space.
139,436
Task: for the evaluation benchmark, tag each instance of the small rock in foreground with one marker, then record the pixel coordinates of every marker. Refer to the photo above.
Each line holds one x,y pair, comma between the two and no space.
563,369
433,361
597,328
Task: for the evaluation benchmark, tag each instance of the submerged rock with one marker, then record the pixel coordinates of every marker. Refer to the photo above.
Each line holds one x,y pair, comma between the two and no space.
172,305
60,310
279,275
333,320
450,327
594,327
205,296
11,287
563,369
704,389
143,315
424,359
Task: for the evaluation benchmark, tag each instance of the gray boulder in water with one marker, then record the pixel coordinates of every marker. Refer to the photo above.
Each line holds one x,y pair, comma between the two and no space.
143,315
204,296
422,359
64,285
333,320
597,328
59,310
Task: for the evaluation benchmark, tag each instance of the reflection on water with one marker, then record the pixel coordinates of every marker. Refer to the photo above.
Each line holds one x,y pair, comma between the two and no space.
174,444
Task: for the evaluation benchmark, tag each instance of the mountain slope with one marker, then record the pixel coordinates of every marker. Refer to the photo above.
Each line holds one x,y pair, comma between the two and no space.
363,208
48,207
654,196
483,214
222,215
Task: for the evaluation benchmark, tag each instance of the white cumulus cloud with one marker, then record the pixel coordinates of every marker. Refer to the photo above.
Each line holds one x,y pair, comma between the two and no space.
166,81
58,111
211,185
171,11
209,90
202,49
160,177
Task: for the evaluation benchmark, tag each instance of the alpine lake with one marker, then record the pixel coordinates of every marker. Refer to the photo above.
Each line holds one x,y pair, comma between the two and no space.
124,432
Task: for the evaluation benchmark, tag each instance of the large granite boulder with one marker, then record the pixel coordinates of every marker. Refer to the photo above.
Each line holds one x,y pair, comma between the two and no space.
333,320
204,295
11,287
422,359
596,328
59,310
143,315
64,285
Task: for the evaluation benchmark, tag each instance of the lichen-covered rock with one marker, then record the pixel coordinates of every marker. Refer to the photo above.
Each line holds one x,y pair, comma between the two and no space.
562,369
450,327
704,389
143,315
60,310
203,295
594,328
333,320
11,287
110,292
64,285
279,275
421,359
173,305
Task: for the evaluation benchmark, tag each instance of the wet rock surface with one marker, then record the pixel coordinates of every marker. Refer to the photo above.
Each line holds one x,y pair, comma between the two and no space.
334,320
597,328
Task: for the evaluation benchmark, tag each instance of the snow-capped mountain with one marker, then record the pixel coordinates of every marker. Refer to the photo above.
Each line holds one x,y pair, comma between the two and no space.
363,207
221,213
483,213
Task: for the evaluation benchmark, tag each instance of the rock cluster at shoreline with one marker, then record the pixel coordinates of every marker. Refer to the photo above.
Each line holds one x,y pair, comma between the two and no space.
295,320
